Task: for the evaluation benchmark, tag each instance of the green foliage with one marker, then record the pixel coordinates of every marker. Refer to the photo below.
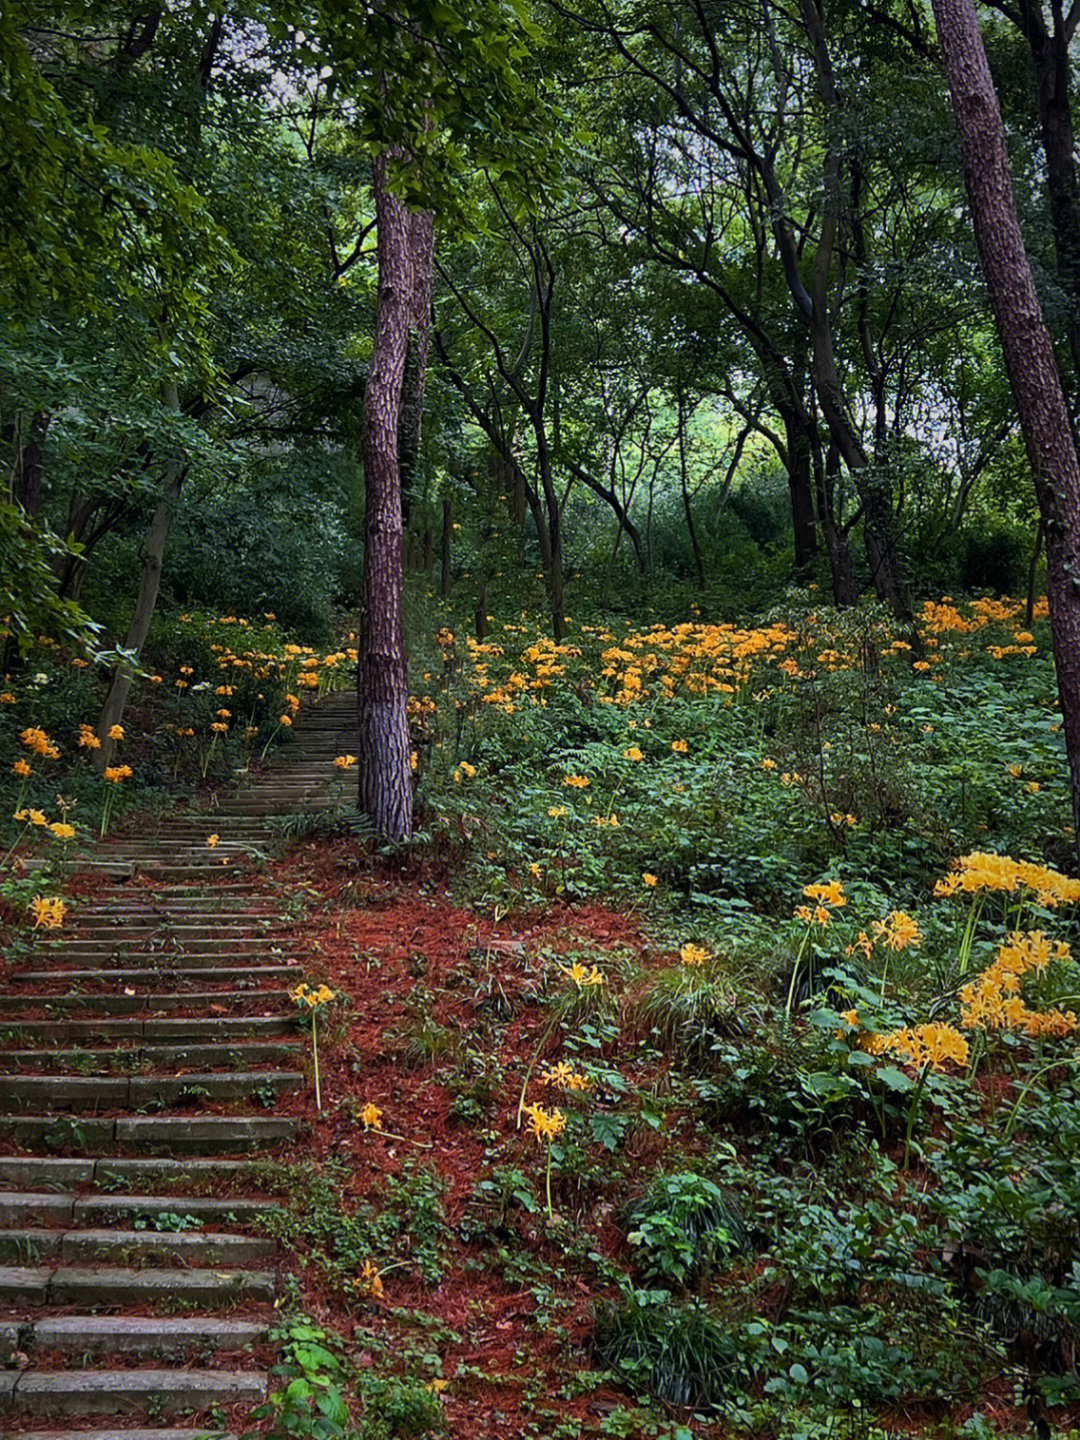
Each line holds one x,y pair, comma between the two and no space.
410,1217
312,1404
28,599
678,1352
682,1227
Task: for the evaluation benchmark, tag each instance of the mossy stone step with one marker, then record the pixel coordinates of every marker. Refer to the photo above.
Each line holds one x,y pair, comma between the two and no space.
106,1209
112,1005
125,1392
20,1208
154,976
26,1173
93,1092
55,1033
139,1335
213,1247
156,1432
93,1286
152,1134
237,1055
64,963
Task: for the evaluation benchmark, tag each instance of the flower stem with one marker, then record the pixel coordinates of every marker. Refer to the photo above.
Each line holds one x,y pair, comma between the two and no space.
913,1111
315,1052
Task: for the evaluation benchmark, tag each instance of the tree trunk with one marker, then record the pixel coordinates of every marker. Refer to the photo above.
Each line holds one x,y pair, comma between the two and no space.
445,575
554,526
688,509
29,463
872,482
799,489
421,246
1049,46
382,685
845,591
150,562
1033,575
1025,341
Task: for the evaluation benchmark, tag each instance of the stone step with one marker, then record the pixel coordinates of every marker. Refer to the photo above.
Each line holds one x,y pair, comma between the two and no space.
21,1208
222,939
156,1432
119,1170
63,963
120,1004
210,1209
96,1286
172,906
96,1092
126,1392
56,1032
185,1134
139,1335
122,1058
36,1172
159,938
128,870
120,932
149,976
213,1247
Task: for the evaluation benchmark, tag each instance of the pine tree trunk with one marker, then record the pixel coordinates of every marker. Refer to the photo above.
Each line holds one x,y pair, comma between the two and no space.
1025,341
384,751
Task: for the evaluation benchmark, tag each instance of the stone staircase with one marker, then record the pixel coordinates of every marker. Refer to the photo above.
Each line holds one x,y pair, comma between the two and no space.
144,1053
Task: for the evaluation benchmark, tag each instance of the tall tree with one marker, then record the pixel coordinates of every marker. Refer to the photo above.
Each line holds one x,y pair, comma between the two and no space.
1026,343
405,255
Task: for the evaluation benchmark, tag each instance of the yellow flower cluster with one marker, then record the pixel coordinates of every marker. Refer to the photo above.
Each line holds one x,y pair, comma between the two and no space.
345,762
48,912
981,871
371,1116
116,773
35,739
898,931
829,893
565,1077
369,1281
88,740
544,1125
691,954
994,1001
921,1045
304,995
581,975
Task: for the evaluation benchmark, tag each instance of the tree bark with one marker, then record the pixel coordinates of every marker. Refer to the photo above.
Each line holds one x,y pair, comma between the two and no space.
150,563
421,247
826,468
382,685
29,463
799,491
1025,341
688,509
872,482
445,572
1049,47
